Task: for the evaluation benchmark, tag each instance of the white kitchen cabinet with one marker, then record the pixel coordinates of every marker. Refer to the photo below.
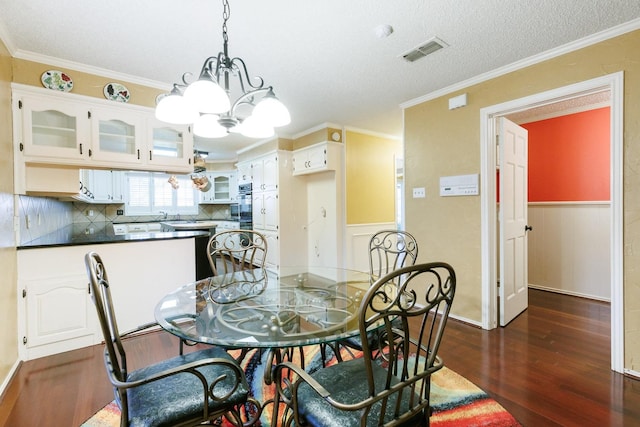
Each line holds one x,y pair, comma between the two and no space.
101,186
272,260
55,311
51,128
277,211
66,130
224,188
171,145
316,158
244,172
264,171
265,210
117,137
60,310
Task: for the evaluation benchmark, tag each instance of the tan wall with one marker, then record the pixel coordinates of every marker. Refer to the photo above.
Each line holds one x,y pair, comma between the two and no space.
8,266
370,178
441,142
29,72
321,135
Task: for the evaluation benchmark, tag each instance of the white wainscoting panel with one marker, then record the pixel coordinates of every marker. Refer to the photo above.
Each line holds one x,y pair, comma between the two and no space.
569,248
357,242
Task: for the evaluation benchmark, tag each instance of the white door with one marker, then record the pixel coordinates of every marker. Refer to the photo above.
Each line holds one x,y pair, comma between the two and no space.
513,220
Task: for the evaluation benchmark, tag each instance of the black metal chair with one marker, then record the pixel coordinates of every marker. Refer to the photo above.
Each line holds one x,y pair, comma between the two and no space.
391,388
182,391
389,250
236,250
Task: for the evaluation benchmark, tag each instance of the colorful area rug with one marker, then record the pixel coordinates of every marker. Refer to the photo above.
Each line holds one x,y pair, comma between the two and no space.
456,402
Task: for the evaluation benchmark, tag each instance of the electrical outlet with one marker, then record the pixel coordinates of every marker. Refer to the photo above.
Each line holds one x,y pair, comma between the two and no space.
418,192
119,212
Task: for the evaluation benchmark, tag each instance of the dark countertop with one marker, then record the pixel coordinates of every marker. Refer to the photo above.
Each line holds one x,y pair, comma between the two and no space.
83,234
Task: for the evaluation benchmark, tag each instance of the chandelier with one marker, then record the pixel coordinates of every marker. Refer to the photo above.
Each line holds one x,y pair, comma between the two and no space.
206,102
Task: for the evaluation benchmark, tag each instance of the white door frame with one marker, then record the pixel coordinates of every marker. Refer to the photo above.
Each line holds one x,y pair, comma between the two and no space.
612,82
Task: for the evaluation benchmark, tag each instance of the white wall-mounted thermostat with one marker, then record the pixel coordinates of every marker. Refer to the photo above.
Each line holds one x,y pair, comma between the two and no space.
459,185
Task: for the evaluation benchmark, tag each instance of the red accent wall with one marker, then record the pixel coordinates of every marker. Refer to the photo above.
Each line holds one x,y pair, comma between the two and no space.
569,157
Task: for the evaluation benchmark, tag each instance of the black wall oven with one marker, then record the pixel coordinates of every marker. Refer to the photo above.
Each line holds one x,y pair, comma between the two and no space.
245,211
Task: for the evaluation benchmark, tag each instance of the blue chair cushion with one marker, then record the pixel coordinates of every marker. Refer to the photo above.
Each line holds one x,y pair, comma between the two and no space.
177,398
347,383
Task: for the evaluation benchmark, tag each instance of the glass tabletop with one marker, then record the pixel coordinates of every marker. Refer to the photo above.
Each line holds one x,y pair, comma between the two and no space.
262,308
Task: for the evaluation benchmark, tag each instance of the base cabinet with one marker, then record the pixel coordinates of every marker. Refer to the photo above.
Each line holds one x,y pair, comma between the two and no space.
47,322
55,310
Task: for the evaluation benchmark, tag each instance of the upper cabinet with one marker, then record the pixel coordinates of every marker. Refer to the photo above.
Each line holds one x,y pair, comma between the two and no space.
224,188
116,136
264,171
50,128
171,145
69,130
316,158
244,172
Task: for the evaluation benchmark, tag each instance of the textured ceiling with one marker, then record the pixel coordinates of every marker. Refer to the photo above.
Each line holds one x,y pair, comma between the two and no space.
322,56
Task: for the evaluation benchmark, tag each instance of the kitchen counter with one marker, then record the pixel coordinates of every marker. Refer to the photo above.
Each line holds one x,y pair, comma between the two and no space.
85,234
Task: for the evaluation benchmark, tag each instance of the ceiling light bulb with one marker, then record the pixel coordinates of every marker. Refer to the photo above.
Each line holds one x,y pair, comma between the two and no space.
175,109
207,97
270,110
207,126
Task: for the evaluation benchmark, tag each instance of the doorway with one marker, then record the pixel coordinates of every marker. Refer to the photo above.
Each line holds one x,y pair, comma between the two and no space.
612,83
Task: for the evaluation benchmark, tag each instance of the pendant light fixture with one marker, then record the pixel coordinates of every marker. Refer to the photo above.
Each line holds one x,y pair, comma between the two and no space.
205,103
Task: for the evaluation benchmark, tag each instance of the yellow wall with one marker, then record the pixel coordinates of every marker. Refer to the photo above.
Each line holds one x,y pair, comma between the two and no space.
8,262
370,178
439,142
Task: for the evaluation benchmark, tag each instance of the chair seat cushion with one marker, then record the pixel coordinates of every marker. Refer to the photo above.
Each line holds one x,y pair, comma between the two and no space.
347,383
177,398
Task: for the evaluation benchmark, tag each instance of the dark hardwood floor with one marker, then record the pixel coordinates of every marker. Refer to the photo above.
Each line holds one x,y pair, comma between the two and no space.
549,367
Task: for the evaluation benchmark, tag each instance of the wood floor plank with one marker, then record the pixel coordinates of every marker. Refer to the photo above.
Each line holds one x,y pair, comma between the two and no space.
549,367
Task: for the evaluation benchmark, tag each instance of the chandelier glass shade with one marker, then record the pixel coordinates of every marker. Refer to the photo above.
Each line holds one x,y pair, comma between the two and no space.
206,102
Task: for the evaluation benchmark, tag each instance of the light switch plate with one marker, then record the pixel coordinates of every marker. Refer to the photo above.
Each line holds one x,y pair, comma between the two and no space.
418,192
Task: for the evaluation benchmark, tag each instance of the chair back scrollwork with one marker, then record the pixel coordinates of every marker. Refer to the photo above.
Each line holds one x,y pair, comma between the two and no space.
236,250
402,318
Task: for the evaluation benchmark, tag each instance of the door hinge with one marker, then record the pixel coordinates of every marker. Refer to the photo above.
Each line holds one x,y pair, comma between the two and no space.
20,104
21,147
24,340
88,114
24,293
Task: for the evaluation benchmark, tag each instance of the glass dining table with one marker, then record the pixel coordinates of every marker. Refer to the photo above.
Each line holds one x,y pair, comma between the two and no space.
263,309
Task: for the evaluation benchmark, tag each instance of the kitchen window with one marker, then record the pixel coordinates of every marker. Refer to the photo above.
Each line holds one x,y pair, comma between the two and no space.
150,193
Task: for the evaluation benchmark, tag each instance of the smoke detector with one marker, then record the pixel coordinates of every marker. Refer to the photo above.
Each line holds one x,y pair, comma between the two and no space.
430,46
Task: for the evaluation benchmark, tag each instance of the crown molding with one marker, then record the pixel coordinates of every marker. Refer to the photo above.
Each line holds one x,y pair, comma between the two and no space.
532,60
315,129
63,63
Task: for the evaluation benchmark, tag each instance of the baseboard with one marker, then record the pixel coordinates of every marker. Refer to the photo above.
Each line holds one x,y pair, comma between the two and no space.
633,374
465,320
570,293
9,378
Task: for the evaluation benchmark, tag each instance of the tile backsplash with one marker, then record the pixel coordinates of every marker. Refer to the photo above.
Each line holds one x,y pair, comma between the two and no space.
40,216
43,215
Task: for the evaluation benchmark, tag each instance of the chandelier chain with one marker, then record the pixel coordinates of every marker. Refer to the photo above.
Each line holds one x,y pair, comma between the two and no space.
226,12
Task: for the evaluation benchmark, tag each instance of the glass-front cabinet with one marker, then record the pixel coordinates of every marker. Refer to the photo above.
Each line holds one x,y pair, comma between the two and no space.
171,145
116,136
53,130
66,130
224,188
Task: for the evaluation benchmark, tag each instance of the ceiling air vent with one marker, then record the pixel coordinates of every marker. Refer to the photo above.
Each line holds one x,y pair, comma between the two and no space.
424,49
